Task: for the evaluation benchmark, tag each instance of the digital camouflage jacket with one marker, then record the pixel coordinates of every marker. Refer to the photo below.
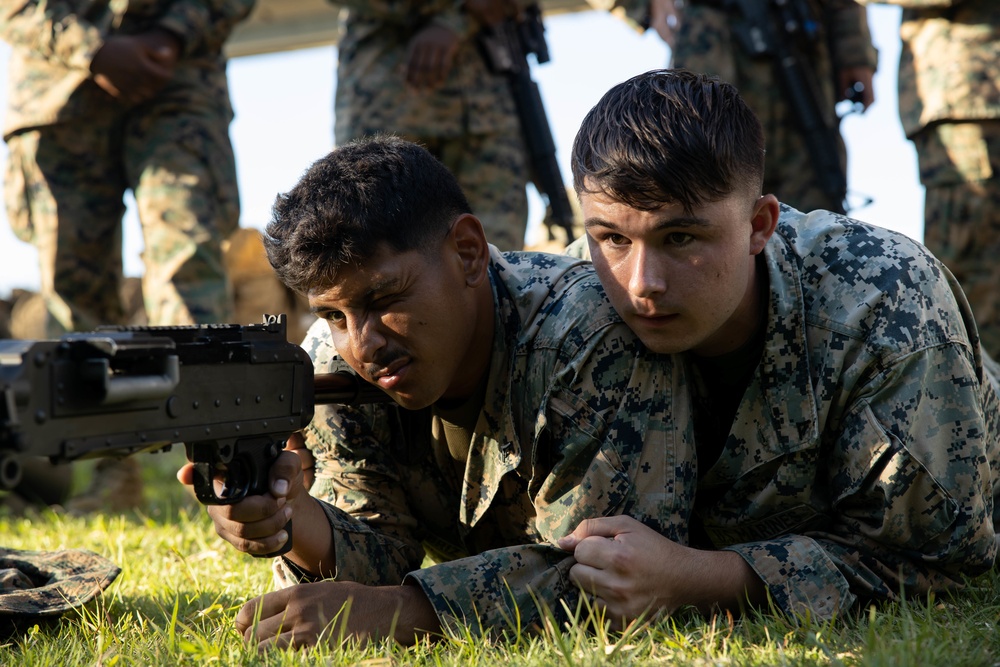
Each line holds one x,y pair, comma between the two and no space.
858,464
572,426
861,459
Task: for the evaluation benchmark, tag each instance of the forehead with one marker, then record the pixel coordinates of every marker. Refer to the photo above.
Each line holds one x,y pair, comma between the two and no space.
602,211
384,271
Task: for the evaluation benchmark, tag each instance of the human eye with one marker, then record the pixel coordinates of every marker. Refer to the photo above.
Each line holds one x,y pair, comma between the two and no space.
678,239
386,301
613,239
334,317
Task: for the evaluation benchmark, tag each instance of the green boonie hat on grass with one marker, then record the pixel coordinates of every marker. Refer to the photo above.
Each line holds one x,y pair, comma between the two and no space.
48,583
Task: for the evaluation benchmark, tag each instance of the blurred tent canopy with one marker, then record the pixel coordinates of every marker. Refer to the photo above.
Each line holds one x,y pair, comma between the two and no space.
284,25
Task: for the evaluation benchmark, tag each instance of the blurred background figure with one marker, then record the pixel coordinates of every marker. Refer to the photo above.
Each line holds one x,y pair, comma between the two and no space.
792,62
413,69
105,97
949,105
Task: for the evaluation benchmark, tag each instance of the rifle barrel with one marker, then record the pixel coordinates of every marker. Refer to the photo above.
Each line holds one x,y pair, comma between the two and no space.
346,388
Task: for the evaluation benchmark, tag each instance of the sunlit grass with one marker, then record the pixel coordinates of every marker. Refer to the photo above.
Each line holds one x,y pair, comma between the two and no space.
181,586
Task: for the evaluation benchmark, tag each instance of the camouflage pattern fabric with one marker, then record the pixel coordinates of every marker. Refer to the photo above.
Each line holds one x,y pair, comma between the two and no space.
949,105
573,425
469,123
861,458
960,170
48,583
706,43
74,150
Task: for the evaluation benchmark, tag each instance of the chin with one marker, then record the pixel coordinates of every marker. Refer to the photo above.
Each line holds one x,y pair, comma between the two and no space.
662,345
411,402
415,400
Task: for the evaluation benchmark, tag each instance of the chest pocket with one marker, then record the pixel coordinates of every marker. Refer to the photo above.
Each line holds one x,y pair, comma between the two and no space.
575,473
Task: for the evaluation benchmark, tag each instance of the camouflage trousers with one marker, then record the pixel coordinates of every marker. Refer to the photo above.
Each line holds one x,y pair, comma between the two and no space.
63,190
706,44
960,170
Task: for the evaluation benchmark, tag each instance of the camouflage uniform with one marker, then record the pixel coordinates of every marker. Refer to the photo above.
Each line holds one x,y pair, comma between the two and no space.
571,426
949,105
469,123
74,150
861,457
706,43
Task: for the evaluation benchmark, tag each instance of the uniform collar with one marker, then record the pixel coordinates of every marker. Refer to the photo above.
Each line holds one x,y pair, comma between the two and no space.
779,404
490,458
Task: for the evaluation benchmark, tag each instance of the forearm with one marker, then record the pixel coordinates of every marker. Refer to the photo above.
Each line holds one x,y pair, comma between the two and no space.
312,540
417,617
723,580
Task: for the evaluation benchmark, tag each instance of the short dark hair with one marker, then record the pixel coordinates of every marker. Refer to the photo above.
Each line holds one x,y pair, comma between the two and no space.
669,136
374,190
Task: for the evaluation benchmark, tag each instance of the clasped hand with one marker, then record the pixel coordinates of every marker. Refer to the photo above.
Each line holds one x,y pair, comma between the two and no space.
631,571
134,68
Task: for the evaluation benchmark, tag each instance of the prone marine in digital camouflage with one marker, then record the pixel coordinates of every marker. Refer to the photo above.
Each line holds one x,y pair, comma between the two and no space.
840,421
523,405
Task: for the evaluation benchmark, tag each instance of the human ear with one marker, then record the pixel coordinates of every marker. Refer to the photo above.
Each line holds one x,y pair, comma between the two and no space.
471,250
763,222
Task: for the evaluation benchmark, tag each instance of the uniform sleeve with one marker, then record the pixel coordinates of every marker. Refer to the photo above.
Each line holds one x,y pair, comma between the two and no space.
357,482
911,494
850,39
589,423
204,25
54,31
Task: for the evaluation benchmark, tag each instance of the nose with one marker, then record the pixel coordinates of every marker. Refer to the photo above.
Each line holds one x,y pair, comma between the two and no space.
366,338
645,274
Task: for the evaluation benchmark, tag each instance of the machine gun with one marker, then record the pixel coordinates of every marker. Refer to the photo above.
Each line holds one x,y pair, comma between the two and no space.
505,48
781,30
231,393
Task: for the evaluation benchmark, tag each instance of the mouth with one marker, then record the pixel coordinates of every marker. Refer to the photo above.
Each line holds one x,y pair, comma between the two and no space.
391,375
654,318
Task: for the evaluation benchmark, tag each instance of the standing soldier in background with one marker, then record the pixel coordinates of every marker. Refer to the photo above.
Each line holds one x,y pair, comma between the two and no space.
838,60
106,97
110,96
413,69
949,106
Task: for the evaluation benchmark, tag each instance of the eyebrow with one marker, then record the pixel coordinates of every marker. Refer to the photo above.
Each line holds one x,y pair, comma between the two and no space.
663,223
373,293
